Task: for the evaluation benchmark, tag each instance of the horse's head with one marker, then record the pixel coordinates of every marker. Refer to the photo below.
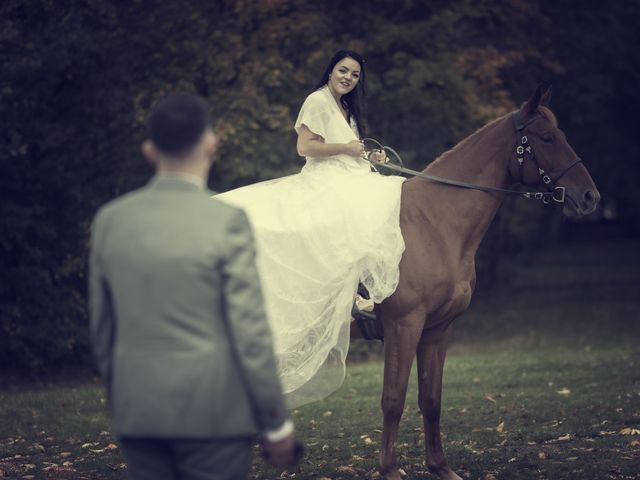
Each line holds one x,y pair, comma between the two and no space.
543,157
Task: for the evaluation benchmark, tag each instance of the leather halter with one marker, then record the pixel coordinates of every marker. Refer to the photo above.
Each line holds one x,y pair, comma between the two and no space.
521,149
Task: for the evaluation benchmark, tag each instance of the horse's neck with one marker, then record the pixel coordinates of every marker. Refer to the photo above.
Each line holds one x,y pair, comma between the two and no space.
482,159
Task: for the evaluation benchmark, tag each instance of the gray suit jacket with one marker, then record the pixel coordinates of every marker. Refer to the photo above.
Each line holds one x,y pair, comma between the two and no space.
177,318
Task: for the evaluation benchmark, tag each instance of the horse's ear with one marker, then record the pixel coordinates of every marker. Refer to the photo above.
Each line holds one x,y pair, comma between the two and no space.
546,97
531,105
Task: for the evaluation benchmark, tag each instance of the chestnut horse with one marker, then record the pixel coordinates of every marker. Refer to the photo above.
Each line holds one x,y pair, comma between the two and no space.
442,228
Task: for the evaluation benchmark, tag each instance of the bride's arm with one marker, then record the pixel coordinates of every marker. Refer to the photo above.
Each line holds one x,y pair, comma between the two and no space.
313,145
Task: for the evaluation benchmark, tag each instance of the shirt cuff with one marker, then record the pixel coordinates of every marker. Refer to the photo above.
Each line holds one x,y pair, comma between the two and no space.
281,433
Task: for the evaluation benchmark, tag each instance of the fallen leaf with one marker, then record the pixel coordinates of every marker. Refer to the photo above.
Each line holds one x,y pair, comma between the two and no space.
368,441
491,399
512,460
629,431
635,443
542,455
571,459
402,472
564,438
65,454
347,469
500,427
328,413
564,391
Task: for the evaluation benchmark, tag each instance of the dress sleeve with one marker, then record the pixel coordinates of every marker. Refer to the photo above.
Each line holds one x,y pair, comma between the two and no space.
315,114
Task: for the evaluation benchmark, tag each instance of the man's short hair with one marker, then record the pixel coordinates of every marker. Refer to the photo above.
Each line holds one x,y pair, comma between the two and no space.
176,123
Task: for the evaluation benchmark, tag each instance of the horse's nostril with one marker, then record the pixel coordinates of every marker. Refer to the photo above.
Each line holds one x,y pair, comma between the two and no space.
589,197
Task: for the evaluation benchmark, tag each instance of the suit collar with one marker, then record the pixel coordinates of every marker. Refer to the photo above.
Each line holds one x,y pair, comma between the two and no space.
176,182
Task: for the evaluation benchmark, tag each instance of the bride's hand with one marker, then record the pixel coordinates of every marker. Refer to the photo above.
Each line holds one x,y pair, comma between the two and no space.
355,148
378,156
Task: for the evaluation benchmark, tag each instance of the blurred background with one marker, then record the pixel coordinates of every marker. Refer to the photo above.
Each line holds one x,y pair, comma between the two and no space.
79,76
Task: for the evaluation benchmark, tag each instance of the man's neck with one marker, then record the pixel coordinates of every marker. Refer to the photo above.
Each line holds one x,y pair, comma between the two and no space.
190,173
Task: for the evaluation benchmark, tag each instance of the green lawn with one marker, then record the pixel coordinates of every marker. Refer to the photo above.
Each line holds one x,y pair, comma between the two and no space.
542,382
550,413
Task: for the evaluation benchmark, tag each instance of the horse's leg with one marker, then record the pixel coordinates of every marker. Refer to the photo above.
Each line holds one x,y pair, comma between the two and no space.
432,350
400,341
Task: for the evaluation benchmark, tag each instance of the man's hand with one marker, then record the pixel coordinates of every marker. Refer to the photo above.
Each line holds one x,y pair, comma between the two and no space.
283,453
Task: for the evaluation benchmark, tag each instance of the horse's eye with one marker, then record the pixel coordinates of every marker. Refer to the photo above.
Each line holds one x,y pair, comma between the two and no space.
547,138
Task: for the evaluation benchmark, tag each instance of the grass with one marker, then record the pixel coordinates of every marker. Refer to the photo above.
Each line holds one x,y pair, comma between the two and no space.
542,382
549,413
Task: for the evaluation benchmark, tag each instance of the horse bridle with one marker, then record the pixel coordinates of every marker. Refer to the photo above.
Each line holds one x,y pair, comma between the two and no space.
522,147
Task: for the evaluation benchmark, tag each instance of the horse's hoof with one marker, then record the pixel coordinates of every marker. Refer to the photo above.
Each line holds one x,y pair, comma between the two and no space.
445,473
392,475
450,475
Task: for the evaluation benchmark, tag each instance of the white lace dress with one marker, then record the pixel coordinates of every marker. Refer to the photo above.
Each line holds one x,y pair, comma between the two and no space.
317,234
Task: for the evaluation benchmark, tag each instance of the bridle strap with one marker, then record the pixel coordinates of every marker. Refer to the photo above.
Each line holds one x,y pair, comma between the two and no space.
573,164
555,193
456,183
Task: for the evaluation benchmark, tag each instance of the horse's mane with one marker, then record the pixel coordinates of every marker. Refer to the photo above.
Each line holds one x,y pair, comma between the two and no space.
468,140
544,111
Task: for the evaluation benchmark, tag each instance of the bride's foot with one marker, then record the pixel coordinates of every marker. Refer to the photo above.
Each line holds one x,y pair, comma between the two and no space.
364,315
364,304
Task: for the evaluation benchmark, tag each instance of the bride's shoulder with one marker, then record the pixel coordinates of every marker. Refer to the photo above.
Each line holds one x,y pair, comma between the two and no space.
317,99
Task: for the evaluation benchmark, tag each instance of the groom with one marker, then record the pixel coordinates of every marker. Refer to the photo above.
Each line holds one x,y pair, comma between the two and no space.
177,319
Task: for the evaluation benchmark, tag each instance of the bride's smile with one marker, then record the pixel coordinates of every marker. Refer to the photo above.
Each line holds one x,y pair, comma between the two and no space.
344,77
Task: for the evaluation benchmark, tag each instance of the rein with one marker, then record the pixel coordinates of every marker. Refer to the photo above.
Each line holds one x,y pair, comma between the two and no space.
555,193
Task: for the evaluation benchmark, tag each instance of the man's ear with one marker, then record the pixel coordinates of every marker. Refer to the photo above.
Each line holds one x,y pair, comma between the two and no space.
211,143
149,151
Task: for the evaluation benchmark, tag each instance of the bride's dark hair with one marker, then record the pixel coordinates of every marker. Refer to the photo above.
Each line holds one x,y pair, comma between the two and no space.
354,100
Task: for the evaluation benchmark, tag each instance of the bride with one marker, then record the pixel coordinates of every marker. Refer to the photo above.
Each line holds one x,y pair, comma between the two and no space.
321,232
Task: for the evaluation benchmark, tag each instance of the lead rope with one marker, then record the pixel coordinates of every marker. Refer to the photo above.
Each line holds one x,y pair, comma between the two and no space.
546,197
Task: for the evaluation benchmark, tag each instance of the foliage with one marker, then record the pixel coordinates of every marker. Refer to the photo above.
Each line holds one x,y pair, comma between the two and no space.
80,76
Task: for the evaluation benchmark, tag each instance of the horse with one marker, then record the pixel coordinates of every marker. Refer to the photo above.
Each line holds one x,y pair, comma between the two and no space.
442,228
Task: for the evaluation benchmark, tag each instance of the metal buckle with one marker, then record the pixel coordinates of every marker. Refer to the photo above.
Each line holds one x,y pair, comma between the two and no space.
562,194
546,180
520,160
524,139
546,199
539,195
520,149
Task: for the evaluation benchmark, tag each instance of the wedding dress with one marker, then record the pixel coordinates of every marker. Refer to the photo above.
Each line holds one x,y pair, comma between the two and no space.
317,234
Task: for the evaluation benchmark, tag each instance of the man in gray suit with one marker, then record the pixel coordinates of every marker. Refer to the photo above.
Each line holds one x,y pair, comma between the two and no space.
177,318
